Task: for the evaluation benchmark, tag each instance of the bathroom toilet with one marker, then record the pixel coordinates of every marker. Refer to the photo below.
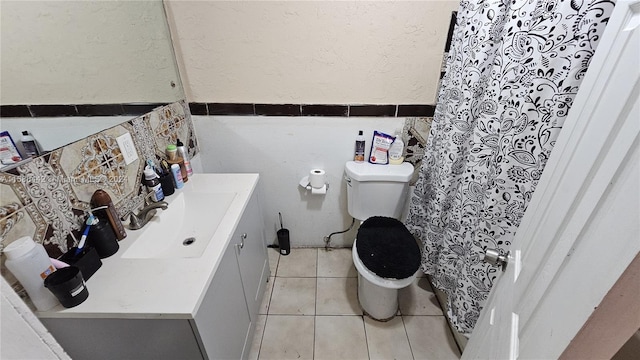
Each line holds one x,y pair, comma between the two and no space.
385,254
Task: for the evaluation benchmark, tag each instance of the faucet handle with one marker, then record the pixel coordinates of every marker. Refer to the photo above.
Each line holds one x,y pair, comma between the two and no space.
134,221
147,199
136,207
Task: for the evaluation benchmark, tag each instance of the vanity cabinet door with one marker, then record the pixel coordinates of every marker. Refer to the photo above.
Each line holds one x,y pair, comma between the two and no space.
252,255
222,320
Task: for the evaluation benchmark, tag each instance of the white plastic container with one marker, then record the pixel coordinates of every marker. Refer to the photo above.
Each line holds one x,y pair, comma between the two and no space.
396,150
30,264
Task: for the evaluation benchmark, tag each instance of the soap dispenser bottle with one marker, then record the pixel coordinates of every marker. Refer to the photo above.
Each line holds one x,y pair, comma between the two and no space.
396,150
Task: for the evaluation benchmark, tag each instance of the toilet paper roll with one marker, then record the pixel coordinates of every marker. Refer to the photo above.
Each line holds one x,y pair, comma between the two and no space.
317,178
319,191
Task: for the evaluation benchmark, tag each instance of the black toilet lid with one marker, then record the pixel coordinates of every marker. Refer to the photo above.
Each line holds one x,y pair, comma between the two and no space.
387,248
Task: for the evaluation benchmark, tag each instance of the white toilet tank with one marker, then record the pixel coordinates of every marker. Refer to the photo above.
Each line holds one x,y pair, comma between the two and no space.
376,190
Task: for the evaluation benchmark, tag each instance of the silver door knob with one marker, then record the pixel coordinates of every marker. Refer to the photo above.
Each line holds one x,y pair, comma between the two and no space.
493,257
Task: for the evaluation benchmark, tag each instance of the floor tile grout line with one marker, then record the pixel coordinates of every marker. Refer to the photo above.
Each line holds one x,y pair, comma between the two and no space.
366,338
313,349
266,318
315,312
406,333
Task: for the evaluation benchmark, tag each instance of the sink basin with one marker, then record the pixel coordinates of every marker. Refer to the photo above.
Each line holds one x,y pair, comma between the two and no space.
184,229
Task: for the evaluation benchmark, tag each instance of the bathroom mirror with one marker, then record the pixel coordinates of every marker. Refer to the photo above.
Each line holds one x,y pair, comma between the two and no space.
94,55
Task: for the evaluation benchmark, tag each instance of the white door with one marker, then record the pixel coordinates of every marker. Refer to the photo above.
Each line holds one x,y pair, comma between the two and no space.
580,231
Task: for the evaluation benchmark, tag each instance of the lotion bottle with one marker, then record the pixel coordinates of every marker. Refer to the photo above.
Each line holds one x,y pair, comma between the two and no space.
177,176
396,150
359,152
29,144
183,169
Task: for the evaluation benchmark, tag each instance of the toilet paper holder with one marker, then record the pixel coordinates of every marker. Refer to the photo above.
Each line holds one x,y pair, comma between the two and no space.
307,186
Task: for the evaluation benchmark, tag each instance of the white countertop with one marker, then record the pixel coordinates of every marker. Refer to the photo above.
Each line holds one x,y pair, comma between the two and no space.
162,287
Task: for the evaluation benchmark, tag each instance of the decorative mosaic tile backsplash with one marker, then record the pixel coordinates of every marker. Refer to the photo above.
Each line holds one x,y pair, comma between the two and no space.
47,197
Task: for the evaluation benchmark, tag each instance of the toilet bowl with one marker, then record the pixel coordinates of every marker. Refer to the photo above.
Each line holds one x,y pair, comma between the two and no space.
375,191
387,257
378,297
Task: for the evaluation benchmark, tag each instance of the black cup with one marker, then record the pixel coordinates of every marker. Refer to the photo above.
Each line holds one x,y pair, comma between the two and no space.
68,286
87,260
103,239
166,182
283,241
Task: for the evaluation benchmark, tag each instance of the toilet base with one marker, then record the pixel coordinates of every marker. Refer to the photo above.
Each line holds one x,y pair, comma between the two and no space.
377,302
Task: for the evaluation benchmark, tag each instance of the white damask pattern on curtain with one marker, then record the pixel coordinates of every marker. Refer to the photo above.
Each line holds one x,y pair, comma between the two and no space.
513,70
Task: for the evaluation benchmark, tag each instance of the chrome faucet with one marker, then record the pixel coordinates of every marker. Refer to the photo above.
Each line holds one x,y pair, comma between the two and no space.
145,214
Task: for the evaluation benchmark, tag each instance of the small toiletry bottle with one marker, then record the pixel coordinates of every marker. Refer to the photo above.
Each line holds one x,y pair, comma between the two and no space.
172,152
359,153
30,145
177,176
183,169
182,152
101,198
152,183
30,264
396,150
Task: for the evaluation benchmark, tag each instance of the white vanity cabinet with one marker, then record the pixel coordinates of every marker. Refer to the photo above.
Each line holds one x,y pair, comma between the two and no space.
192,308
251,251
222,323
226,320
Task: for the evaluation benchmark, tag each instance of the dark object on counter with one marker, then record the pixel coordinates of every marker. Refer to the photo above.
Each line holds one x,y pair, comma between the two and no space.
87,260
166,181
102,238
68,286
283,239
101,198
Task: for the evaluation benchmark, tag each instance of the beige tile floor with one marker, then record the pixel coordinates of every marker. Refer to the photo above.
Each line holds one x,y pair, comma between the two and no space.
310,311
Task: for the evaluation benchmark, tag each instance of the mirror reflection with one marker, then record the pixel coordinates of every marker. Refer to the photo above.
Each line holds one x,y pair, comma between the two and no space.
105,58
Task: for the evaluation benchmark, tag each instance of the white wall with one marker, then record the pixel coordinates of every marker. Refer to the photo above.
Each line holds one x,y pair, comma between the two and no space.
283,150
86,52
310,52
